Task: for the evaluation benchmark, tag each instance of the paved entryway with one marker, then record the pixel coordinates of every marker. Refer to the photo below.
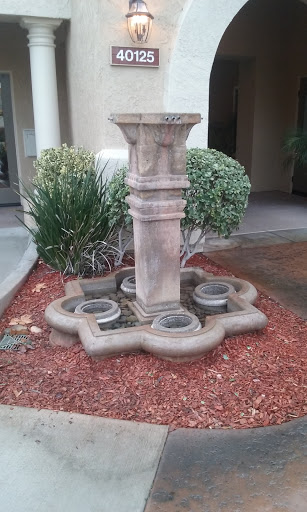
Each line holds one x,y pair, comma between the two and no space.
280,271
254,470
273,211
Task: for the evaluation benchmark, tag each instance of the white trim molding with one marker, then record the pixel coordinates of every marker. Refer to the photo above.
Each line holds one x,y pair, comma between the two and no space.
109,160
49,9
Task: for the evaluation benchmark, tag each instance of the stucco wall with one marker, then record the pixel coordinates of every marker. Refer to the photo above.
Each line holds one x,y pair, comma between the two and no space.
97,89
201,27
40,8
186,31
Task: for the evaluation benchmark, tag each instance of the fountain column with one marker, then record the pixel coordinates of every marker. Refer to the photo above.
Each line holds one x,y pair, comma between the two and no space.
157,159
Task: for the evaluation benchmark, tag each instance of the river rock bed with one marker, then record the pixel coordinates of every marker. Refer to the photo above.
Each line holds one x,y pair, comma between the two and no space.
128,319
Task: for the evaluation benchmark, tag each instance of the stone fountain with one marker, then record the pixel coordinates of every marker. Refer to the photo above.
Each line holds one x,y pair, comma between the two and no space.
165,326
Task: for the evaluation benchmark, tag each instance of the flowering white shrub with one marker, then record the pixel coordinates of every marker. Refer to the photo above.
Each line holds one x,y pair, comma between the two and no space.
54,162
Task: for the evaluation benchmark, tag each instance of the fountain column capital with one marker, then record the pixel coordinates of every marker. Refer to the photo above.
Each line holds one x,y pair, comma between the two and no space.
157,142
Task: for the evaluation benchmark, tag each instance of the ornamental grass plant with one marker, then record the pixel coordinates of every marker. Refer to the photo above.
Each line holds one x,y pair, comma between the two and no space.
71,218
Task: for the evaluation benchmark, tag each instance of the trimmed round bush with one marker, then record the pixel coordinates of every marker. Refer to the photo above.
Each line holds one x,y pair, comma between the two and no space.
218,194
216,199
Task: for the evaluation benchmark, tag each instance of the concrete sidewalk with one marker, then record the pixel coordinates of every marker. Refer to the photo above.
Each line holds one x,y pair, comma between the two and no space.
63,462
18,254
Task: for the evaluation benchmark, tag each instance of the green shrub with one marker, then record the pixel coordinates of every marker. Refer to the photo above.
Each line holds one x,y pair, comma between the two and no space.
216,199
119,218
53,162
71,218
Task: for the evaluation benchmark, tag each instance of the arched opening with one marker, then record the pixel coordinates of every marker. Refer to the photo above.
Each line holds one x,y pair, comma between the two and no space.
257,91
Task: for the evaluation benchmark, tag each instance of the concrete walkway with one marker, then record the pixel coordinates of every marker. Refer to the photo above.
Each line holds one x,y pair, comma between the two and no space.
18,255
255,470
61,462
262,469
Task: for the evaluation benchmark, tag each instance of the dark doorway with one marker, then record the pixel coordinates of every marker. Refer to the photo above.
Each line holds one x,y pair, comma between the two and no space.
300,171
223,106
8,161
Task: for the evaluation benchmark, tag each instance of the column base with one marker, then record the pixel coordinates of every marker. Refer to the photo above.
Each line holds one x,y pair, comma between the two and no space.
147,317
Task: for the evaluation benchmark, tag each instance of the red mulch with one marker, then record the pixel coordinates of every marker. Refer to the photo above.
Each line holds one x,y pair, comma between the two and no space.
250,380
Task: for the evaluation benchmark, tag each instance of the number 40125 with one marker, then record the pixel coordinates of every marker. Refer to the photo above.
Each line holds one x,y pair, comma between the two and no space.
134,56
138,55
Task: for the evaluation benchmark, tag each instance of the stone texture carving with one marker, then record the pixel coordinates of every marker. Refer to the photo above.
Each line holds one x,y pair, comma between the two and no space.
157,149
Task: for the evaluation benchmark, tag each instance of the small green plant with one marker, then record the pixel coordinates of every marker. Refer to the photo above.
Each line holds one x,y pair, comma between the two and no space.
3,160
295,145
2,150
71,217
216,199
119,218
53,162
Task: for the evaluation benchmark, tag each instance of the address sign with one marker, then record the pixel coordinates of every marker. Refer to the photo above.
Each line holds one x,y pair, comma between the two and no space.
126,56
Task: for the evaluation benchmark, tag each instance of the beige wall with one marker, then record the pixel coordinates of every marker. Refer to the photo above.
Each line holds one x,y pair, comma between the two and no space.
260,35
97,89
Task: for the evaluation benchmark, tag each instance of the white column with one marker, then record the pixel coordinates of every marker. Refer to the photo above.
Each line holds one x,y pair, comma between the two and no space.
44,83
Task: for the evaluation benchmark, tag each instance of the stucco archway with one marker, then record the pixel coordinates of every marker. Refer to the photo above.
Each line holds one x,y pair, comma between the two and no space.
201,27
200,30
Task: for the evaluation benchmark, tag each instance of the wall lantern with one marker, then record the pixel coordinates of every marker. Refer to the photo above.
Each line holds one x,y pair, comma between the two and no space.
139,21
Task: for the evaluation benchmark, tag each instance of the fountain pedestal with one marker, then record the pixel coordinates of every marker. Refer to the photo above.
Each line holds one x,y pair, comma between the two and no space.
157,144
157,158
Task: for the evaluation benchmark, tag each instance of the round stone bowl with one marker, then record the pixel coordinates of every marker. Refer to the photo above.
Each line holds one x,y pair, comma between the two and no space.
213,295
128,285
105,311
176,322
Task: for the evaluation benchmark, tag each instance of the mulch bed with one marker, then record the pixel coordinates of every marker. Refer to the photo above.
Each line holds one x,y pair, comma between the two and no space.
249,381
